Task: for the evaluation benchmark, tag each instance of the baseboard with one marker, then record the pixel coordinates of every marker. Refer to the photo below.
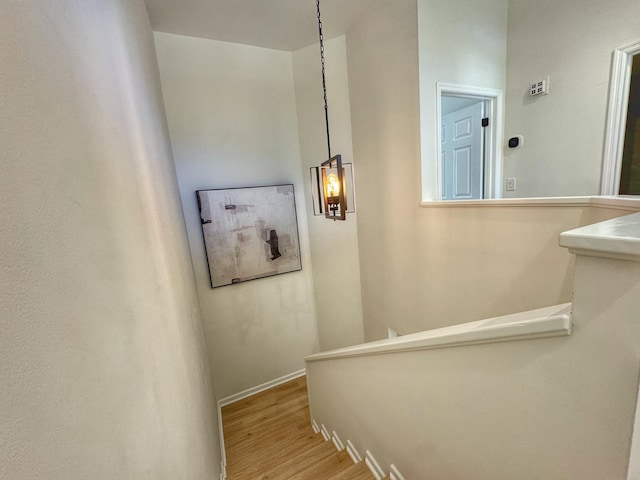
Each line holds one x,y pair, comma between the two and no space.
336,441
314,425
353,453
223,452
373,465
325,433
369,460
260,388
395,474
223,470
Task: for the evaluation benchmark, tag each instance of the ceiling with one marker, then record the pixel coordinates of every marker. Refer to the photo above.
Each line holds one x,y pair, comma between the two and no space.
278,24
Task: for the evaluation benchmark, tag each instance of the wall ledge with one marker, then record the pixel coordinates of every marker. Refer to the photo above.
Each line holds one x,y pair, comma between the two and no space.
627,203
618,238
545,322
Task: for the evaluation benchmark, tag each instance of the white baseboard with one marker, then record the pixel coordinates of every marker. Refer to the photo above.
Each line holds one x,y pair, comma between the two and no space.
353,453
325,433
260,388
373,465
395,474
314,425
223,451
336,441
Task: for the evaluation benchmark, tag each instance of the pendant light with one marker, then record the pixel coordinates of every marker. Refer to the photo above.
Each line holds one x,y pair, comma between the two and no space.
333,175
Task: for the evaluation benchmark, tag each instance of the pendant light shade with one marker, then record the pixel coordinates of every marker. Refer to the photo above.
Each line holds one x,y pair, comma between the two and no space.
334,186
330,175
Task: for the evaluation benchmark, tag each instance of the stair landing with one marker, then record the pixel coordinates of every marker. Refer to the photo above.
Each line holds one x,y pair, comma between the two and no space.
268,436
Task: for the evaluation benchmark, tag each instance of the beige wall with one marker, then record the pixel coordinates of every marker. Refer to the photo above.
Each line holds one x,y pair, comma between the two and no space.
334,245
102,361
426,267
463,42
232,118
571,41
471,263
558,408
382,59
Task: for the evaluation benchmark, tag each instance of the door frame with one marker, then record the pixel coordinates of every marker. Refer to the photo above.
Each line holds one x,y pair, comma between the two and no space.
617,117
493,138
474,112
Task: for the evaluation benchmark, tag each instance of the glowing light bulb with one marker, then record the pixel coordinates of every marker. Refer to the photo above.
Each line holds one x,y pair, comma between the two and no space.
333,185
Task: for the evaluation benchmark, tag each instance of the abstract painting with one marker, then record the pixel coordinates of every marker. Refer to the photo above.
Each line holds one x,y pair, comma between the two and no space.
249,233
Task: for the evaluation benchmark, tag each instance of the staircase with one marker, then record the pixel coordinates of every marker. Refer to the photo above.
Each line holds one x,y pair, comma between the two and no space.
269,436
549,394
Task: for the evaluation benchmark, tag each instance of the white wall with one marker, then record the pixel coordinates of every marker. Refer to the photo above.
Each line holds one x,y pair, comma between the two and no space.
102,361
334,245
563,131
232,118
462,42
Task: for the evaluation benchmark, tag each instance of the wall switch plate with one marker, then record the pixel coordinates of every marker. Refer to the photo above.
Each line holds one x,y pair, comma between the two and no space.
511,184
540,87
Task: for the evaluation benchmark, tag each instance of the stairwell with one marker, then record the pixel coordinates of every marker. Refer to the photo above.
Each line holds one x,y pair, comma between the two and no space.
550,393
269,436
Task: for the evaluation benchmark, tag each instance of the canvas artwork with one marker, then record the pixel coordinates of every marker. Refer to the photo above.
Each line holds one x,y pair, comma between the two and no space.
249,233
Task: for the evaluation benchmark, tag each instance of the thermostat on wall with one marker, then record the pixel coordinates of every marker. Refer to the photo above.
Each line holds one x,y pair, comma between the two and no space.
516,142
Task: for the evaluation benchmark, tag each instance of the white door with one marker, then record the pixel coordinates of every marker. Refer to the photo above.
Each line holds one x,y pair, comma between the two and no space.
463,153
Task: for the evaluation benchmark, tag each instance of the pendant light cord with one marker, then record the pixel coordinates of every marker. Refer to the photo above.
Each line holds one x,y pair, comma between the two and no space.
324,81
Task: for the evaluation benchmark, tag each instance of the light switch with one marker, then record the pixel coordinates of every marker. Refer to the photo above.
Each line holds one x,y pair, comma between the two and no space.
539,87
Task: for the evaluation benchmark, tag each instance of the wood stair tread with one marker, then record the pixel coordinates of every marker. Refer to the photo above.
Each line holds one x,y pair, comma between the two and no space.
268,437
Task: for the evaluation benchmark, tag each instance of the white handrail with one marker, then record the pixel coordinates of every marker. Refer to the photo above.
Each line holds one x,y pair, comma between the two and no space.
545,322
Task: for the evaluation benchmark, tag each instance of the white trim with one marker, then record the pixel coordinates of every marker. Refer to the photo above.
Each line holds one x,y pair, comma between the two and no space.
624,203
514,202
493,167
325,433
618,239
617,116
373,465
353,452
314,425
260,388
223,450
394,473
554,321
336,441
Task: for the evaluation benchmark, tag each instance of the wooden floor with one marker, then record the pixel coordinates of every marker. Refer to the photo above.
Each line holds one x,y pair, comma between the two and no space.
269,436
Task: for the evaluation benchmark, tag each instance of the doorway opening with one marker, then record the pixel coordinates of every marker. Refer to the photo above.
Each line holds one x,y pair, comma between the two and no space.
469,136
621,177
630,169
